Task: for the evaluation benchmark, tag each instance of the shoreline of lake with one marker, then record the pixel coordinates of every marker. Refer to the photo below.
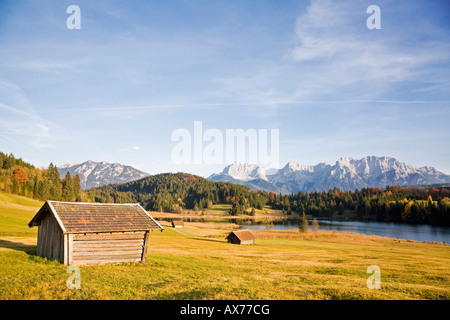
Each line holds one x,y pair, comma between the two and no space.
394,230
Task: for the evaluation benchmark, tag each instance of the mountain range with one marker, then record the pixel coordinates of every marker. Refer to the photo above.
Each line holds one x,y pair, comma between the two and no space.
96,174
345,174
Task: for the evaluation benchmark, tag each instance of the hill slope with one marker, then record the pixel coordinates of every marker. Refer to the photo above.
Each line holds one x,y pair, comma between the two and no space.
175,191
15,213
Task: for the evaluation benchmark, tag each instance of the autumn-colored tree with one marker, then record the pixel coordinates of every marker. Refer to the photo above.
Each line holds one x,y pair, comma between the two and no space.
20,175
315,225
406,213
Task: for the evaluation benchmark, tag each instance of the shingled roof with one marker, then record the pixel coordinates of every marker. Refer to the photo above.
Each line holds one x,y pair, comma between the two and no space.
244,235
78,217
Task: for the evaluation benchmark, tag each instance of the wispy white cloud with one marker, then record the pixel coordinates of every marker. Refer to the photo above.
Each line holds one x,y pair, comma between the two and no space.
19,120
332,38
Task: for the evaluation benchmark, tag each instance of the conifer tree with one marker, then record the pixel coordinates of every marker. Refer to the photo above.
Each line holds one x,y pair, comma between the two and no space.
15,186
53,174
68,192
9,162
303,226
77,187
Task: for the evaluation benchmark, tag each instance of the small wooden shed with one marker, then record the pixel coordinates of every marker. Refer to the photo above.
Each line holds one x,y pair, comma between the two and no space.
76,233
177,224
241,237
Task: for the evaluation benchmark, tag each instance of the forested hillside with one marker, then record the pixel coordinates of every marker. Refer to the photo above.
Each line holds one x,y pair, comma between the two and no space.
174,192
22,178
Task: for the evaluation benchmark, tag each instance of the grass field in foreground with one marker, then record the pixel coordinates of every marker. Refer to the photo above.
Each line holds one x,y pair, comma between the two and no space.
195,262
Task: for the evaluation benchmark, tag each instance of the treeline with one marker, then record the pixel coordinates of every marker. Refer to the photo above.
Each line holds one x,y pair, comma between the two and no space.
175,192
392,204
22,178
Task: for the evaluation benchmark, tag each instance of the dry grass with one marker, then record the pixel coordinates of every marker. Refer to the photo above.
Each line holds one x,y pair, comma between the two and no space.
330,236
220,211
195,262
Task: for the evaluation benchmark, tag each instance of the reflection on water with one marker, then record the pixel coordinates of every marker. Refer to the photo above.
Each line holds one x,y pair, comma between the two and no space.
389,229
383,229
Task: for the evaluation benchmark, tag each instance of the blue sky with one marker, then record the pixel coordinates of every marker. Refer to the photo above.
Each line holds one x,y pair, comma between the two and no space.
116,89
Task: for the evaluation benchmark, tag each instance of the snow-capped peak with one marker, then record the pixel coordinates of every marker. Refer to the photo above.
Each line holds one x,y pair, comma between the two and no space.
292,166
245,171
346,174
70,164
96,174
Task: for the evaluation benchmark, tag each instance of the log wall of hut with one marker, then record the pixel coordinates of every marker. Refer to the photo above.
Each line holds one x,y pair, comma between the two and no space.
50,239
94,248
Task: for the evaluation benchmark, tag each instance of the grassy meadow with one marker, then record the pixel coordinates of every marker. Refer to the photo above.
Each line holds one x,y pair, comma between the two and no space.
195,262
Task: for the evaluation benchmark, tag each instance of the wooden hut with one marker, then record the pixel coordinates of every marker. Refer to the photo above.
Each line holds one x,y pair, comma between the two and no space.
177,224
77,233
241,237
